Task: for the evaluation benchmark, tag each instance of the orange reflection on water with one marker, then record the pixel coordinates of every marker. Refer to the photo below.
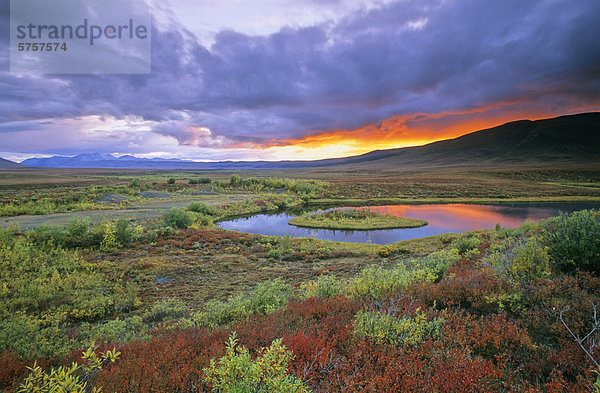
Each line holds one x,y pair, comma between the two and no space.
470,217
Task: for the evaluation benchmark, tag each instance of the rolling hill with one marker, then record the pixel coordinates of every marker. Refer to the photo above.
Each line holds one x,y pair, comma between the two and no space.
565,140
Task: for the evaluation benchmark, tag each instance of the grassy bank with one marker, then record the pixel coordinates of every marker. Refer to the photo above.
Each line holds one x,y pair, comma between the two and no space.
356,202
352,219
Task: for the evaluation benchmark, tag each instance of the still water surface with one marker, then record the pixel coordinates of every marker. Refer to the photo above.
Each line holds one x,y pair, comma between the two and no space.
447,218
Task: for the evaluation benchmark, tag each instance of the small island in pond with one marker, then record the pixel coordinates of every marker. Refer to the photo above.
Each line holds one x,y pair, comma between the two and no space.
354,219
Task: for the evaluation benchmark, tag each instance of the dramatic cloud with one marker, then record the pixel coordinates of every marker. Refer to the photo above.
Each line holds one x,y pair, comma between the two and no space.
369,76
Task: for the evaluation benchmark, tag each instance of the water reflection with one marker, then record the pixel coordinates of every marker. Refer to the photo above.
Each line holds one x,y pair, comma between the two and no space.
451,218
467,217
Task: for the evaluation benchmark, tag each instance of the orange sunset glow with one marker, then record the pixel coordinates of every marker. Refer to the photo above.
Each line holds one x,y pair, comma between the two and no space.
404,131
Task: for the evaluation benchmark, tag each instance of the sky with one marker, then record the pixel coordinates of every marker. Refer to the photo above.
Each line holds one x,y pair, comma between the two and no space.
310,79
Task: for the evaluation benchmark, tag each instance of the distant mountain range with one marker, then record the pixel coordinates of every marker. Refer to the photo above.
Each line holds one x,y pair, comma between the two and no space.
565,140
97,160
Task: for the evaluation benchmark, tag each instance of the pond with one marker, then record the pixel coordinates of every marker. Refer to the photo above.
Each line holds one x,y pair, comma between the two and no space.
442,218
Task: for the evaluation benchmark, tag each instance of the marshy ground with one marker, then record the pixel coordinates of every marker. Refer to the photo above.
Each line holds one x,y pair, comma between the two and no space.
146,242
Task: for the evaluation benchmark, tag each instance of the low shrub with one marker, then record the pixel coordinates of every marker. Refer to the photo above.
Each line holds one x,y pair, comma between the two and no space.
166,309
437,262
375,282
523,260
574,240
237,372
74,379
199,207
386,328
326,286
390,250
235,180
465,244
265,298
178,218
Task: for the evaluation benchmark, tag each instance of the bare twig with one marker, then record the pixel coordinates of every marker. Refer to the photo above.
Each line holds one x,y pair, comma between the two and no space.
580,341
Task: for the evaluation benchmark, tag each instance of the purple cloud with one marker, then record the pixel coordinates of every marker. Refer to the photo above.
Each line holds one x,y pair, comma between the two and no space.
401,58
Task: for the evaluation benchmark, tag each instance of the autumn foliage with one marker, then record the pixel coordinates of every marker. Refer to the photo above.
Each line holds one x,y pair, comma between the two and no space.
449,323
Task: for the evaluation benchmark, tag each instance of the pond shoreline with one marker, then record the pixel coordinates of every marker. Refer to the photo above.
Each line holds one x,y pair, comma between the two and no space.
442,218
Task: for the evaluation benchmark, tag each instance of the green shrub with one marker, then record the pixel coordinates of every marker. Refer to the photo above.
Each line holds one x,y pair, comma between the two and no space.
385,328
574,240
390,250
375,282
124,233
465,244
323,252
531,261
269,296
116,330
325,287
237,372
235,180
203,219
51,234
171,180
265,298
285,243
46,292
204,180
78,228
178,218
107,231
199,207
78,233
30,336
75,379
438,262
166,309
523,260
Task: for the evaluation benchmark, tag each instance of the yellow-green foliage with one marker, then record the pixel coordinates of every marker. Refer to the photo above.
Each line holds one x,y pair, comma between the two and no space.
385,328
376,282
115,330
45,290
249,207
437,262
465,243
524,259
74,379
109,239
47,206
264,299
354,219
391,249
531,260
79,233
325,287
237,372
167,309
596,385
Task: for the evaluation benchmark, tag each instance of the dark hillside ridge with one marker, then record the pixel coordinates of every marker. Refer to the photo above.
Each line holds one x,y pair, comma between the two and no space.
564,140
6,164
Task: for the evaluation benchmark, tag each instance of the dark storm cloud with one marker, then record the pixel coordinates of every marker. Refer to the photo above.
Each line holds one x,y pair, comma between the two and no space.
402,58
